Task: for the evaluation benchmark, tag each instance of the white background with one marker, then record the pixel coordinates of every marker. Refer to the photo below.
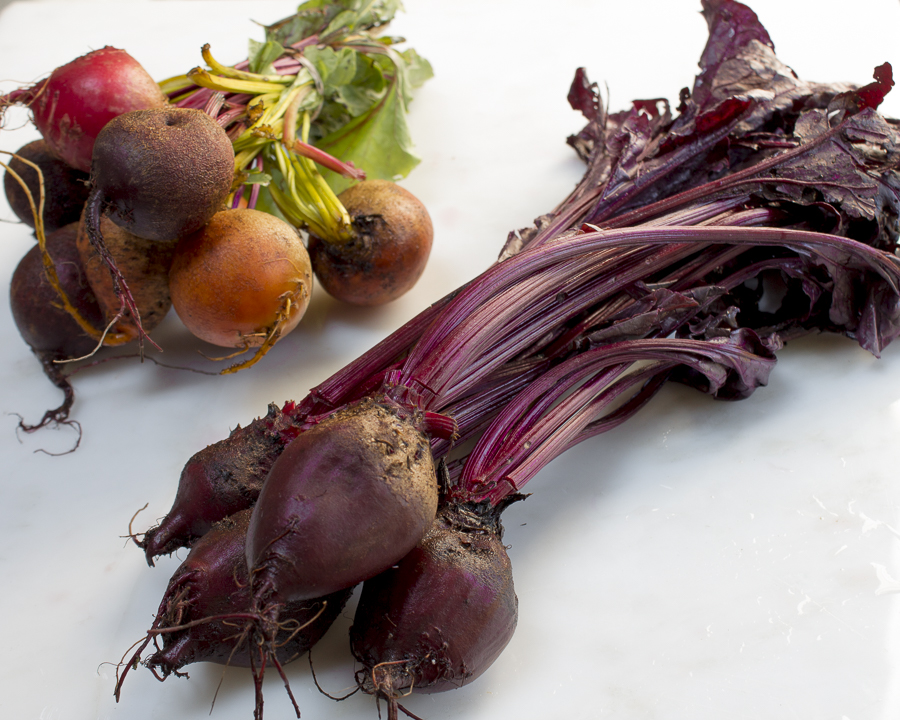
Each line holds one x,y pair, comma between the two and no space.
706,560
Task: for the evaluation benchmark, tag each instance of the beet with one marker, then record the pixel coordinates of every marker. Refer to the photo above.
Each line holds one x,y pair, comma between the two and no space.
220,480
65,189
161,173
388,250
439,617
345,500
243,280
78,99
199,618
43,323
145,267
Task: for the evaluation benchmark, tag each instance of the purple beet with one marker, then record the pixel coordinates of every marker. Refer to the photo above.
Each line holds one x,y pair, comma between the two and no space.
65,189
205,616
344,501
438,618
161,173
44,324
222,479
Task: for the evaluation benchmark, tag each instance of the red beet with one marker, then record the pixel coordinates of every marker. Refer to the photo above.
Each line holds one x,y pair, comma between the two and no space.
202,616
78,99
345,500
220,480
440,616
44,323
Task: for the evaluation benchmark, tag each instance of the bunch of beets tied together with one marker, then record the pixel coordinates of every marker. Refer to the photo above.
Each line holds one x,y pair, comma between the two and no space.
660,265
192,193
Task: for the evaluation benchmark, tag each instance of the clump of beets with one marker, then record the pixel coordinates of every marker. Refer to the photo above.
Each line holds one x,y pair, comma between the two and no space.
160,174
388,249
78,99
65,188
202,615
439,617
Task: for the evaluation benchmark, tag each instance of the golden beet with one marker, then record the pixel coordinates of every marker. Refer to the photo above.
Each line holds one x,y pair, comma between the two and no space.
239,279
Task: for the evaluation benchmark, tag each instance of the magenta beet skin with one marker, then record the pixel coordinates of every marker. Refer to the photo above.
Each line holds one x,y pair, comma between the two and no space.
345,500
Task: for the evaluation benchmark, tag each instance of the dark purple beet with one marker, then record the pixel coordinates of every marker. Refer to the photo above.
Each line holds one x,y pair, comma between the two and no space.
42,321
65,189
220,480
442,615
203,616
162,173
345,500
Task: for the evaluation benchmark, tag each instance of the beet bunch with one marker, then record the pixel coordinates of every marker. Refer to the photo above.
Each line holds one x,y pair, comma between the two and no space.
393,473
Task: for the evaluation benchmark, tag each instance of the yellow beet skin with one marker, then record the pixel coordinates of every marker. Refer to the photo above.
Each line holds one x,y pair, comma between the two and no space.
241,278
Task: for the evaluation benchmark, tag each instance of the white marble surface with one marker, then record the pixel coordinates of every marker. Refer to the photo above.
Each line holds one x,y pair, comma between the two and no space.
706,560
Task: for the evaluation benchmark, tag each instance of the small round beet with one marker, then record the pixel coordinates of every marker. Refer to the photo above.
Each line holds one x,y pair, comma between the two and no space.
391,242
78,99
222,479
162,173
65,189
440,617
241,278
42,321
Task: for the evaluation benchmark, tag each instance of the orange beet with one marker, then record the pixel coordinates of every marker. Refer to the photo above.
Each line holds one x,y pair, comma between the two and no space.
240,278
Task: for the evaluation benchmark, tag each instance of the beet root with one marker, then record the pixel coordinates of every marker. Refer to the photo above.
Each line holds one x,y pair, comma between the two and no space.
44,324
145,267
391,243
78,99
203,613
222,479
65,189
242,280
162,173
345,500
442,615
